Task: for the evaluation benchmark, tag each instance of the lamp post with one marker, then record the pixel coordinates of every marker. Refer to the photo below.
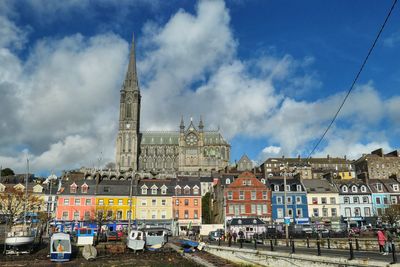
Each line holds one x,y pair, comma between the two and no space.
51,202
130,204
286,209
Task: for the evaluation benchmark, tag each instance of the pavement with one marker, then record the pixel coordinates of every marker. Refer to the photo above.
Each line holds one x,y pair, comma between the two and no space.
371,255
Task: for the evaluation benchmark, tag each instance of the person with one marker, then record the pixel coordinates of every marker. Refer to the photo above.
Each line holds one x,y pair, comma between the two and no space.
389,239
381,241
234,235
229,237
241,235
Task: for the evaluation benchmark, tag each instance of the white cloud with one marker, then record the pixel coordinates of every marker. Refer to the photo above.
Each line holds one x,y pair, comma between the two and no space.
393,40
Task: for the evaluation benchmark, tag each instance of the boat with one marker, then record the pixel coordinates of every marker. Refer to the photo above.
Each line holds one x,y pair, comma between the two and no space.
136,240
20,235
188,245
60,247
89,252
85,236
155,238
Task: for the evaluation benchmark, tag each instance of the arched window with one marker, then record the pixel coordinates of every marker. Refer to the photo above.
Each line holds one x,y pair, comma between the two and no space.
227,181
263,180
344,189
128,110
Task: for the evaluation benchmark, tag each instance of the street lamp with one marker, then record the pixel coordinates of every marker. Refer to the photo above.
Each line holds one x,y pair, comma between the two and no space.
130,203
286,209
50,205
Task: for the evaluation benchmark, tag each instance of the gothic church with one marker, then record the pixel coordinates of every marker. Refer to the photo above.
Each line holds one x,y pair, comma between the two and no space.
188,150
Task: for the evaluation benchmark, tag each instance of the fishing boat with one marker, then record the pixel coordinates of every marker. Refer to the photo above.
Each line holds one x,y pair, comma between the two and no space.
85,236
135,240
188,245
20,235
155,238
60,247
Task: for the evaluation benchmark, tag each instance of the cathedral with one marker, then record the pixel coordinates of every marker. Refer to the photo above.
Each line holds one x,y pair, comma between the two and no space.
189,150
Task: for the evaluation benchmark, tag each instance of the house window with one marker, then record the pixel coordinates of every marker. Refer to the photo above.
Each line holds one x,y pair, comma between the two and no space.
77,201
230,195
186,214
66,201
76,215
154,214
393,199
324,212
264,195
396,187
323,200
354,188
315,200
385,200
298,188
365,199
186,202
363,189
367,212
73,188
333,200
65,215
163,191
106,189
241,195
253,208
345,189
196,214
357,212
276,188
177,214
289,200
263,181
87,215
84,189
346,200
253,195
264,209
347,212
88,202
299,213
315,212
111,202
186,190
163,202
248,182
178,191
195,190
120,202
196,202
177,202
379,187
333,212
144,191
290,212
378,200
119,215
279,213
143,202
227,181
355,200
154,191
154,202
298,199
163,214
278,200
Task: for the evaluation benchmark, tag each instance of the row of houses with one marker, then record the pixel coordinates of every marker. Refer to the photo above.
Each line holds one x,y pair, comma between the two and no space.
249,195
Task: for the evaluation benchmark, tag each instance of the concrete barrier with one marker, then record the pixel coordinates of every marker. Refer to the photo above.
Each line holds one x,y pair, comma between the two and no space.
282,259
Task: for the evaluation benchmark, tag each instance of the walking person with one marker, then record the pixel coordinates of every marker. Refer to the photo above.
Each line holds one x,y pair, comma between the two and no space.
234,235
389,240
381,241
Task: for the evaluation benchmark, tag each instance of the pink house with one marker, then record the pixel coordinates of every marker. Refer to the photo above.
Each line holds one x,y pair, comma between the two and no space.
76,201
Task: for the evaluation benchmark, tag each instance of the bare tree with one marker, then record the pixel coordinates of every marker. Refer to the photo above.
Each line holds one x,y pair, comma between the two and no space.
14,201
392,214
101,215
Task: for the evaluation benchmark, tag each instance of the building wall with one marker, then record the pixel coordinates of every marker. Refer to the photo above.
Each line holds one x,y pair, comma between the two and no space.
160,210
119,205
345,208
329,205
73,207
379,203
187,209
278,205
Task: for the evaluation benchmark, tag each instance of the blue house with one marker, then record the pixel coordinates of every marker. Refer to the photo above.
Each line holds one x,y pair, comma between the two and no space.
296,199
380,196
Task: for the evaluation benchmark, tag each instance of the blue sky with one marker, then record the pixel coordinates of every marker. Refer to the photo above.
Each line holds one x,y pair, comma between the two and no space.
270,74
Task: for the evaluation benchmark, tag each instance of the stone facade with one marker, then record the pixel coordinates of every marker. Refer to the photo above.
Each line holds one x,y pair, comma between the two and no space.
187,151
377,165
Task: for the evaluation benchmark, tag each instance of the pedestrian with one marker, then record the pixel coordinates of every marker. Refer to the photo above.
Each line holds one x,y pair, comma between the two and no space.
234,235
381,241
241,235
389,239
229,237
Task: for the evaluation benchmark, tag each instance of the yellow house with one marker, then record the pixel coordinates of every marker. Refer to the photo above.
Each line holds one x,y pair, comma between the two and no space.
113,199
154,200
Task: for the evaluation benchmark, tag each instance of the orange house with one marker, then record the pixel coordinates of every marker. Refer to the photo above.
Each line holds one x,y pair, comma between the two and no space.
76,201
187,204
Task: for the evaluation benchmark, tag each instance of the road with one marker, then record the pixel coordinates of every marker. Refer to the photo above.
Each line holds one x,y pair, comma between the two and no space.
371,255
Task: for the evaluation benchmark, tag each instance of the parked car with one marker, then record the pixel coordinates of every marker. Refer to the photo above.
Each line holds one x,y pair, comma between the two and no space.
214,235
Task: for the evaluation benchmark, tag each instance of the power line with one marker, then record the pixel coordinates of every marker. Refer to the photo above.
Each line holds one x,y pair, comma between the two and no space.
355,79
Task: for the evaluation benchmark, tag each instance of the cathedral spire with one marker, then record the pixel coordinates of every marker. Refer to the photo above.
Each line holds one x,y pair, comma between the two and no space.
131,81
182,126
201,125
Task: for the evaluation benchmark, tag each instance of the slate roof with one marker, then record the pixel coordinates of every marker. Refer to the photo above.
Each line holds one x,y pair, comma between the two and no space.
66,186
389,185
159,183
349,183
319,186
246,221
372,185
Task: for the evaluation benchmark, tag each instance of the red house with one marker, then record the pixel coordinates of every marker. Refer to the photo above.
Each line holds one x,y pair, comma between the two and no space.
247,197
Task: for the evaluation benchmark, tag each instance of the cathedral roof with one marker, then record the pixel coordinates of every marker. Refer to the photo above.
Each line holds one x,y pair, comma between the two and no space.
172,138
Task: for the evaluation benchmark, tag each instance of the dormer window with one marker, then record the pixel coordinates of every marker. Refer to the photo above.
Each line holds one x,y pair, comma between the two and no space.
73,188
395,187
227,181
163,190
144,190
287,187
276,187
363,189
186,190
154,190
354,189
298,188
244,182
263,181
345,189
178,190
195,190
84,188
379,187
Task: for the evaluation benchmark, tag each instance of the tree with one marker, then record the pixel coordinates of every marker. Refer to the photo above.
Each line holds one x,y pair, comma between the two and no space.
110,166
13,201
392,214
7,172
205,206
101,215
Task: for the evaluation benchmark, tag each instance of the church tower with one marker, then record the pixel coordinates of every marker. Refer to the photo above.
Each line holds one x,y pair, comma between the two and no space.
129,118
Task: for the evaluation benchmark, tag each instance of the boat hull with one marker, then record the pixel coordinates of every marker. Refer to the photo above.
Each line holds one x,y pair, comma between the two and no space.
136,244
60,257
19,240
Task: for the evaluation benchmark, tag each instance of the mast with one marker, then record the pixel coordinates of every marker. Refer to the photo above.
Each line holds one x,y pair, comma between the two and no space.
26,189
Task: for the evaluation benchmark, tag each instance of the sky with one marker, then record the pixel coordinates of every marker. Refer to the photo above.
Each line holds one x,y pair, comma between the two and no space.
269,74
